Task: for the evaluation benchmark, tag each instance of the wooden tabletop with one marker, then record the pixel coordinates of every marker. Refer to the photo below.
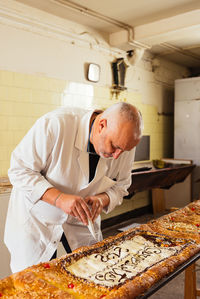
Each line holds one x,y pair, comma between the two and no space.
159,178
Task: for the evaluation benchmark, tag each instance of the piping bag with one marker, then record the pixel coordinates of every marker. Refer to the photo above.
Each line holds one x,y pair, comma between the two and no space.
91,229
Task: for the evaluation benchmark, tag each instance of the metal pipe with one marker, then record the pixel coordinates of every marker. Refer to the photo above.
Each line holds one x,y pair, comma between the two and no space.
179,50
89,12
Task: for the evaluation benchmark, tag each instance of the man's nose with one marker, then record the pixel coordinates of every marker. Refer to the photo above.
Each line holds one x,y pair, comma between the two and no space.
117,153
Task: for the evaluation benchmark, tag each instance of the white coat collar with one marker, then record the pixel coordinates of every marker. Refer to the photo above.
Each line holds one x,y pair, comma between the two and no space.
83,132
81,144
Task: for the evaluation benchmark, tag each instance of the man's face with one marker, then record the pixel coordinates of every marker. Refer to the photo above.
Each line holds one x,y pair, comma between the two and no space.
110,143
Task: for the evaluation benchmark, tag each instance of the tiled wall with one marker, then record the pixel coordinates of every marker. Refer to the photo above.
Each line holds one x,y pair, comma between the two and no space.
24,98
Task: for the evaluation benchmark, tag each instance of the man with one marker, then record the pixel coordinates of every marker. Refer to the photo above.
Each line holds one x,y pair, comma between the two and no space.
69,167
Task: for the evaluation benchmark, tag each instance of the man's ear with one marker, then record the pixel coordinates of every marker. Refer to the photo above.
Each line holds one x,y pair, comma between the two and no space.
102,124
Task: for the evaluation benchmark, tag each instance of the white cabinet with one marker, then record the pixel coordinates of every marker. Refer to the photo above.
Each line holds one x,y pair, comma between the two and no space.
187,126
187,89
187,130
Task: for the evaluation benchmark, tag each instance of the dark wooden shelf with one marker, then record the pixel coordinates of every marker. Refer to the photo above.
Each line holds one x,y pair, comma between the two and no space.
159,178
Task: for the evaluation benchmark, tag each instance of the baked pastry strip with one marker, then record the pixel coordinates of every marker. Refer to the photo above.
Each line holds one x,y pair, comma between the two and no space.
48,280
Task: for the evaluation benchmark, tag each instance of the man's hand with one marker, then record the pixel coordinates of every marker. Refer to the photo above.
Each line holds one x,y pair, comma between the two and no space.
96,206
75,206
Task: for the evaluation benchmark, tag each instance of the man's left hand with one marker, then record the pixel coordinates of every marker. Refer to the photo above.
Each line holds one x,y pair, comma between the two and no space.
96,206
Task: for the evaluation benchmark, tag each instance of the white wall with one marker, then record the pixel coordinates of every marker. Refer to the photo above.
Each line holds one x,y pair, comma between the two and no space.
36,42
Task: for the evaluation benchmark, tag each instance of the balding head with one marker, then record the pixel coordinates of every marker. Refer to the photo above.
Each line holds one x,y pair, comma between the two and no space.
117,129
121,113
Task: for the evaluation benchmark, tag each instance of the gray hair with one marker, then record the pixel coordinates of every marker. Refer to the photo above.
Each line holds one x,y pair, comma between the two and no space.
127,112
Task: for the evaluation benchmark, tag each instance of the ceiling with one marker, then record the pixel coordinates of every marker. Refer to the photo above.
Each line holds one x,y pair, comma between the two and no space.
169,28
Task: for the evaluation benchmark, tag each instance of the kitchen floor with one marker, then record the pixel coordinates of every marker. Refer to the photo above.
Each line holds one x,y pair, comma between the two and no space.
173,289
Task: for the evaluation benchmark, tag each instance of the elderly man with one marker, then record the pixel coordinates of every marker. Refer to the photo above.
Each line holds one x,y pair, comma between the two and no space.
70,166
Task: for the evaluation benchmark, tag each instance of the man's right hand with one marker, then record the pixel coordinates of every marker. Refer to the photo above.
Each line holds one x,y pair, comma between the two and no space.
73,205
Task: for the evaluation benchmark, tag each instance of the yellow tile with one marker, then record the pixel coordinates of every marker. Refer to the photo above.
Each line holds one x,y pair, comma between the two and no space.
4,93
19,123
148,117
7,138
56,98
11,123
52,97
134,98
38,96
152,109
102,92
36,82
46,83
22,109
4,156
46,97
6,108
38,110
6,78
20,94
10,149
24,95
3,123
58,85
32,82
22,80
42,83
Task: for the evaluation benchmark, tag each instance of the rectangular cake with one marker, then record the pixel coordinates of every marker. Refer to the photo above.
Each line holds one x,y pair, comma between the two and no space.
124,266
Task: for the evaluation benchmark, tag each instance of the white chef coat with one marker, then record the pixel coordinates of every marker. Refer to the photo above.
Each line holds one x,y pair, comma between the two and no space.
54,154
